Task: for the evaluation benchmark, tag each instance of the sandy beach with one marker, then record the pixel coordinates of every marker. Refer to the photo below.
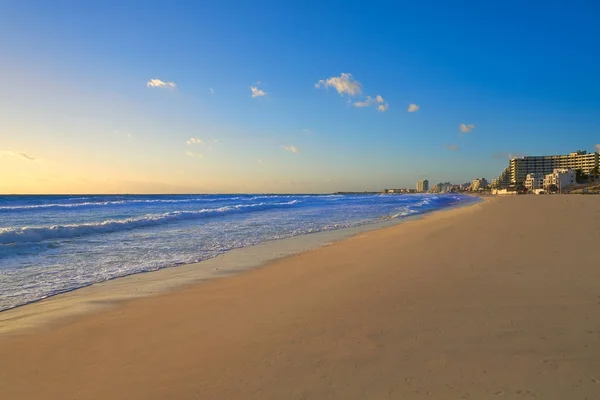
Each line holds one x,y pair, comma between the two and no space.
496,300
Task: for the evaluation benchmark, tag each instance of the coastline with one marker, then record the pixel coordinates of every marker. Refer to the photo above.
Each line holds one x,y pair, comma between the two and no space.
497,300
102,295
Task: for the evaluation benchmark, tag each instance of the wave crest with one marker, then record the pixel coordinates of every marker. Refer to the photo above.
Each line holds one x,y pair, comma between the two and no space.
28,234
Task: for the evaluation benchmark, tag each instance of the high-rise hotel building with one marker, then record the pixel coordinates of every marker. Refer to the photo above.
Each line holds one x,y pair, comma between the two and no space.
518,168
423,186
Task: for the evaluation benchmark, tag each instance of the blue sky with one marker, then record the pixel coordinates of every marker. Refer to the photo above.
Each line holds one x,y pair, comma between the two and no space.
76,100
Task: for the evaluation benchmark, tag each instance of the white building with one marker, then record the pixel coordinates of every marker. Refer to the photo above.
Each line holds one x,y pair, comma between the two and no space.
518,168
479,183
534,181
561,178
503,192
423,186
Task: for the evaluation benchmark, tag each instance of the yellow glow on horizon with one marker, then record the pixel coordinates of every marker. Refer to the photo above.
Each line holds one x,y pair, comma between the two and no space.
44,176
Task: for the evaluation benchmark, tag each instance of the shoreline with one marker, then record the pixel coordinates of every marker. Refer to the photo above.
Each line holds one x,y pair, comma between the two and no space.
495,300
102,295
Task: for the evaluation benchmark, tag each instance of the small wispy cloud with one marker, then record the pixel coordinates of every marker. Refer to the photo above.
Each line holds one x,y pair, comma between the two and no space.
211,90
292,149
259,161
306,130
194,140
370,101
366,103
413,108
508,155
466,128
343,84
17,154
119,133
157,83
598,148
256,92
451,147
192,154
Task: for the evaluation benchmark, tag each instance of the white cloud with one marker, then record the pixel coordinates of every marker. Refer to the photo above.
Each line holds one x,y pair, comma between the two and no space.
451,147
366,103
211,90
381,107
157,83
510,156
344,84
598,148
17,154
194,140
256,92
369,101
259,161
464,128
292,149
192,154
306,130
413,108
118,133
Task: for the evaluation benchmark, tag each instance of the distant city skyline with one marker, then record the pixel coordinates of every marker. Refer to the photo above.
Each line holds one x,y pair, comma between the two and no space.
276,97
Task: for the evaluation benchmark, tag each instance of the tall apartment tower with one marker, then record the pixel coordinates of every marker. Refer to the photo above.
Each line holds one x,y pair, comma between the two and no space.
423,186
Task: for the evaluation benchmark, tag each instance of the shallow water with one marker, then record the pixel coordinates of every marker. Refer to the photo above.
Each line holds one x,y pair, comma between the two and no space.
53,244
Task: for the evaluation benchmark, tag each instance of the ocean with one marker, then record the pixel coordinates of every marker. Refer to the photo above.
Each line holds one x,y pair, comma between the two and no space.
54,244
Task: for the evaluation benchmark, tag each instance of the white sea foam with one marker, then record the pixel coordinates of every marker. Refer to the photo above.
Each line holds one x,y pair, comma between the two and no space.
51,244
31,207
39,233
126,201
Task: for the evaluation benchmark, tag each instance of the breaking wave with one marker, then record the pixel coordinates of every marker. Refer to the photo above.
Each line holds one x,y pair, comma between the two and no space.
30,234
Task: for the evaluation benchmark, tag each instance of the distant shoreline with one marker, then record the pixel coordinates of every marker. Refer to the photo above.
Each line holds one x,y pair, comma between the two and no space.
199,194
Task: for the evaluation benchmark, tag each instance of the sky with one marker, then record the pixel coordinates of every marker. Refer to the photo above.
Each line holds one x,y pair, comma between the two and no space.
289,96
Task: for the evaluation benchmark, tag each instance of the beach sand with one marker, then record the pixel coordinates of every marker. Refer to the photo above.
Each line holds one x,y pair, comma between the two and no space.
496,300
